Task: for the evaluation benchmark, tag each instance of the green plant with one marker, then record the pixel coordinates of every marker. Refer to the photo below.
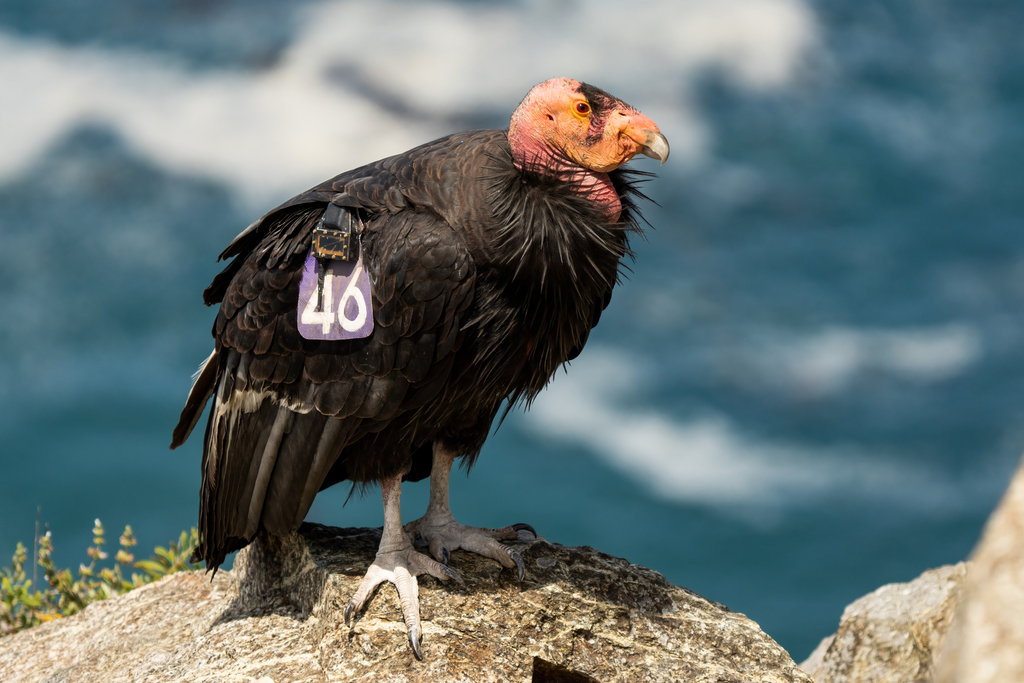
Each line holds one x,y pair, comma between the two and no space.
23,605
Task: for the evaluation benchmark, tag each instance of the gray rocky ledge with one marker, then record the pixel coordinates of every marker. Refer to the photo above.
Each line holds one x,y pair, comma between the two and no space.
962,623
578,615
893,634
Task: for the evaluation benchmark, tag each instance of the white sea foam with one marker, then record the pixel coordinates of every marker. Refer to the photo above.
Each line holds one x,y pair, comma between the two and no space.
329,102
827,361
709,460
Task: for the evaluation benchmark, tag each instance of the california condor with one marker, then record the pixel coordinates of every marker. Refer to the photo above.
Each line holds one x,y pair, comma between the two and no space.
370,329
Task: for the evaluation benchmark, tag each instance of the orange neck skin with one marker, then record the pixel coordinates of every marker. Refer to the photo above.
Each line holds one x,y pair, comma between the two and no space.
538,155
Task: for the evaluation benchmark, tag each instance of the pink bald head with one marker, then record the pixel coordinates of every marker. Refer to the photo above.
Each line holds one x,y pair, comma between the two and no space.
563,121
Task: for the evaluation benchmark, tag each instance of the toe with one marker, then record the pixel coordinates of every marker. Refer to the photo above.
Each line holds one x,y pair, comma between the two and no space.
454,575
414,640
427,565
438,549
373,578
488,547
520,567
408,596
507,533
525,527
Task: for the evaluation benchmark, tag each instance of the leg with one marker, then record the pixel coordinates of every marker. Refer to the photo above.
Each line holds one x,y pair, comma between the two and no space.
439,528
398,563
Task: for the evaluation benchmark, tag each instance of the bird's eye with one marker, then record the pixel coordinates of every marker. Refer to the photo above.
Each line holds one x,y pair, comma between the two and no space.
582,108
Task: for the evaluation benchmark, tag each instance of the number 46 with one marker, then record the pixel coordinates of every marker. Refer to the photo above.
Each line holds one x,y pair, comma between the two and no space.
326,317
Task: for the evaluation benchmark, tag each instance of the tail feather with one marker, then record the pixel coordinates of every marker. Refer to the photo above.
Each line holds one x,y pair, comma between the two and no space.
307,455
204,382
282,423
233,452
262,465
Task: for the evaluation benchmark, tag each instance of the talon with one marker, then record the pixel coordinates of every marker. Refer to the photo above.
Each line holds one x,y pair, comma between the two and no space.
349,608
414,641
445,555
520,567
448,571
521,526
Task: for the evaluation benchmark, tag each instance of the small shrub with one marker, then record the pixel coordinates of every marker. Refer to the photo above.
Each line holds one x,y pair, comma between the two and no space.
23,605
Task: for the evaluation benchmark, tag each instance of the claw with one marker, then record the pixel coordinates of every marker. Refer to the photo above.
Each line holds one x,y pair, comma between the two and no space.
349,608
445,555
520,567
453,574
527,527
414,641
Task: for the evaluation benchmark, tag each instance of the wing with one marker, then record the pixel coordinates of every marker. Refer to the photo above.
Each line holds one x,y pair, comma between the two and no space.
421,178
285,407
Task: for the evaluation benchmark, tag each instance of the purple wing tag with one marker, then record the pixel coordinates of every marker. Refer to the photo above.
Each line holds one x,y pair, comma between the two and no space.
344,310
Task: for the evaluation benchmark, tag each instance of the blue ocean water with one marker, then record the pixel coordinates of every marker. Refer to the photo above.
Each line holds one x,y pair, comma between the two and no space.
808,387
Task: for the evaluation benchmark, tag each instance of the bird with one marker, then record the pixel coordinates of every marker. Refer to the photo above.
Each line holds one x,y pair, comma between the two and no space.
371,328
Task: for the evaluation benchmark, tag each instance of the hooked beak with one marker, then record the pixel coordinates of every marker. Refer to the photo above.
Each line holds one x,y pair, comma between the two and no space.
655,146
644,132
626,124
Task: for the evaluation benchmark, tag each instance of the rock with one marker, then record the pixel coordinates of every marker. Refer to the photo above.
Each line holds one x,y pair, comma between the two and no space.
579,615
986,643
892,634
958,624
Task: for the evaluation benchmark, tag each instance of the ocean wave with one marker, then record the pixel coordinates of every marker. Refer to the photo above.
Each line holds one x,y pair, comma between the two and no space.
362,80
826,362
709,460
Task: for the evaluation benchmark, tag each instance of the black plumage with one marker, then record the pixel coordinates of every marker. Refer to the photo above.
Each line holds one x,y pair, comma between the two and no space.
485,277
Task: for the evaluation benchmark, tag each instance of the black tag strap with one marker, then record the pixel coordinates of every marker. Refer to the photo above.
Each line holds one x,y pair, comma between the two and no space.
321,270
334,237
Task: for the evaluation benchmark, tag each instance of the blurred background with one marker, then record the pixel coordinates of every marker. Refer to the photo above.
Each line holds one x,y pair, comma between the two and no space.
810,385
